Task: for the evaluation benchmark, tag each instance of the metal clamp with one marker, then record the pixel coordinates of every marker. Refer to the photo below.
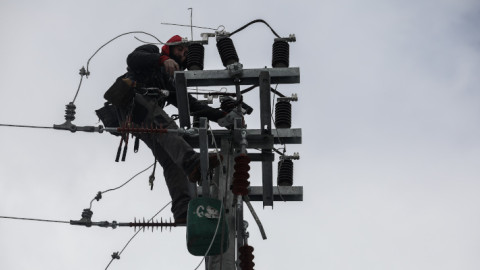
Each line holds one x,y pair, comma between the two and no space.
290,38
294,97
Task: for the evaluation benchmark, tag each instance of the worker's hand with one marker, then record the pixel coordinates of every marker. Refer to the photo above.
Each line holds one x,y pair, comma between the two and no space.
170,66
229,119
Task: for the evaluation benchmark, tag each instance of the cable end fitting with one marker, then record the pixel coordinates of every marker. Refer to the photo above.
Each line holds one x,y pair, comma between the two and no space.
84,72
99,196
116,255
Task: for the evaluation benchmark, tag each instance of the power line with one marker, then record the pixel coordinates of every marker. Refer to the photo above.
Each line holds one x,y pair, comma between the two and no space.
24,126
116,255
35,219
99,195
252,22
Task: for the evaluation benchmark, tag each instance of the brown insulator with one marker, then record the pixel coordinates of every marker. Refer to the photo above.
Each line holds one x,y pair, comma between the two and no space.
240,176
246,257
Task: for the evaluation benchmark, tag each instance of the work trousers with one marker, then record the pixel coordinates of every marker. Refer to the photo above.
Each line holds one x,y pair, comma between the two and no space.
174,154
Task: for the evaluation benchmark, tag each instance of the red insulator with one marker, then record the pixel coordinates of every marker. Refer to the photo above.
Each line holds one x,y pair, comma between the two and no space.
246,257
240,176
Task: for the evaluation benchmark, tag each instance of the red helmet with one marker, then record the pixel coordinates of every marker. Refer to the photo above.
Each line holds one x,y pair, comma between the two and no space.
166,48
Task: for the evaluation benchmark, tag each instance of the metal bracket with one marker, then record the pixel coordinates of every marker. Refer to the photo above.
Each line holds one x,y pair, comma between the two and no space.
203,141
182,99
290,38
266,129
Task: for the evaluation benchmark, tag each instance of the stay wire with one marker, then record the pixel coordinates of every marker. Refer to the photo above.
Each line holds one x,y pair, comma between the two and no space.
252,22
135,234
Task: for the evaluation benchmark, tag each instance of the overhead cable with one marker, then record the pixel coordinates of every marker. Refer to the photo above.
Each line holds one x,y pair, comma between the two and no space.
116,255
24,126
99,194
35,219
86,72
252,22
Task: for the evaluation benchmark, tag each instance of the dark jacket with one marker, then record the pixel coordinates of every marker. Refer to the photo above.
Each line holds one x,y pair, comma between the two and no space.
144,67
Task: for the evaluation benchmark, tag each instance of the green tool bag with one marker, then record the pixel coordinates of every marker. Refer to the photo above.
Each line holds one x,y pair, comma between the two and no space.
204,214
121,93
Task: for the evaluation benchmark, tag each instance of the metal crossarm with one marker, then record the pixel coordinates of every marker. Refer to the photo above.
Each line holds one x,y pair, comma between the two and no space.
255,138
248,77
280,193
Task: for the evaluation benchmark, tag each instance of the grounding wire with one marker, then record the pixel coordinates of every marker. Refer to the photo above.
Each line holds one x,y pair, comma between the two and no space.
276,92
135,234
216,147
35,219
112,189
252,22
24,126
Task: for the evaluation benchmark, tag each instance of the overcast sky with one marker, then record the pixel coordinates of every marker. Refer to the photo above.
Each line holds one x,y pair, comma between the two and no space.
388,106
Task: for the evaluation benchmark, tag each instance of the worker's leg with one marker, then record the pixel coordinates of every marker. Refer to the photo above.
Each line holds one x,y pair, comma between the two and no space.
180,189
179,151
175,155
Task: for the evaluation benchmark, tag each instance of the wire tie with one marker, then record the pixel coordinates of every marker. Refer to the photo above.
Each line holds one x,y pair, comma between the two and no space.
99,196
115,255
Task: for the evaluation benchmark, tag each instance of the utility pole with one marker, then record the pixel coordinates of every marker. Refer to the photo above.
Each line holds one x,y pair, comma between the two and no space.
234,144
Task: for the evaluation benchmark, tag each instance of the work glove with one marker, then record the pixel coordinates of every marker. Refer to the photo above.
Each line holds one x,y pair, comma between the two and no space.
170,66
229,119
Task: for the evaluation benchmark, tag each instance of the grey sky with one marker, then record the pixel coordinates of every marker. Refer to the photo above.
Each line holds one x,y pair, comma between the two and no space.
388,104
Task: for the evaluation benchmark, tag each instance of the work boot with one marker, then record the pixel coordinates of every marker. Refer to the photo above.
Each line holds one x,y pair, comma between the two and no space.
195,176
182,219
